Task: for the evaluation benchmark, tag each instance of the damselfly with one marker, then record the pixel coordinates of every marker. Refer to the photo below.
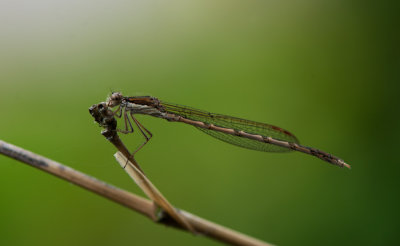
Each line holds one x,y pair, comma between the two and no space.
244,133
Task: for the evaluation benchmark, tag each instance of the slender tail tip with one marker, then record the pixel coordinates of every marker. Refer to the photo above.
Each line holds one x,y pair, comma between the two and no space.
344,164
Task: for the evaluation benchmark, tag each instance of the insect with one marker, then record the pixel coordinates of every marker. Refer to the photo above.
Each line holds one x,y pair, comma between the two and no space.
244,133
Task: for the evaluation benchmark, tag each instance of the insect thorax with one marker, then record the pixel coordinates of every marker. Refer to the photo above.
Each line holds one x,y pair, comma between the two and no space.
142,109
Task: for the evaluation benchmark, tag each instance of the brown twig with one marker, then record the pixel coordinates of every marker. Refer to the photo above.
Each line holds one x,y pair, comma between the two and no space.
152,192
125,198
120,196
105,117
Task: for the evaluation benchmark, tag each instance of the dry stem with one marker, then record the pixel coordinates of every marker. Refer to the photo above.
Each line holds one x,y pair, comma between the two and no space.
151,191
134,202
105,117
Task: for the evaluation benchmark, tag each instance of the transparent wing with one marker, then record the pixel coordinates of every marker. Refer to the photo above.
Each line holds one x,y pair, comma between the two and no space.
237,124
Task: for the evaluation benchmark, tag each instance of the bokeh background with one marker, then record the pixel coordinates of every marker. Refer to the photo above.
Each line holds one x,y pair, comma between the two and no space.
325,70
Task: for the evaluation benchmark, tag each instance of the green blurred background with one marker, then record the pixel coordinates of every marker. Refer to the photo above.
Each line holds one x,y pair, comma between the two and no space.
325,70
